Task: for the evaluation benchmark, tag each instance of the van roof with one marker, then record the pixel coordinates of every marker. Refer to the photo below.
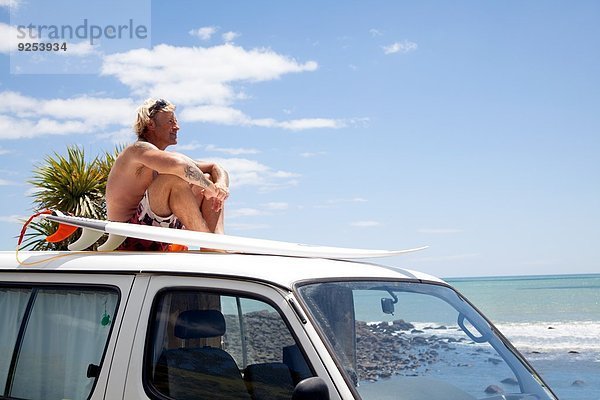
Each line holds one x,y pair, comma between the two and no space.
279,270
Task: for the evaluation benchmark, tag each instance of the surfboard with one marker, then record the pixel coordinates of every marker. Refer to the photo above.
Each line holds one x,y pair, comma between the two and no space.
118,231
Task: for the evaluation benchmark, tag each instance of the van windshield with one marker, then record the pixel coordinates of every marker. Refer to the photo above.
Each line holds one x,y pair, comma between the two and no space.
422,340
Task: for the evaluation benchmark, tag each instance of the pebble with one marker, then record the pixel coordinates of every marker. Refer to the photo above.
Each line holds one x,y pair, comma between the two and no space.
494,389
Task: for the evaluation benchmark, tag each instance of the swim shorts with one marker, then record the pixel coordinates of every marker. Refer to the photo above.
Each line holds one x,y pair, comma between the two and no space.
144,216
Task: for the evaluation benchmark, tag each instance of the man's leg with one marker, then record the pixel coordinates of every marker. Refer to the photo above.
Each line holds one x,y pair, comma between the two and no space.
214,219
168,194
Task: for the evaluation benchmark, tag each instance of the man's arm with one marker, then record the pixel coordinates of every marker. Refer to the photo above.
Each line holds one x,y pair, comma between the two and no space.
166,162
218,174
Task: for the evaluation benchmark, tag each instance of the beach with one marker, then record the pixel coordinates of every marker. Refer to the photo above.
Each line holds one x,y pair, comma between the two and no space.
554,321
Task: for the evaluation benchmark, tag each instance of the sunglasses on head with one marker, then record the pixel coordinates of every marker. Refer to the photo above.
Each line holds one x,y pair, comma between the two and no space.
157,106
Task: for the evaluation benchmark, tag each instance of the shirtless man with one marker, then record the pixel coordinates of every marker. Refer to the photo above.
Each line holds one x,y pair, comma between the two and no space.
150,186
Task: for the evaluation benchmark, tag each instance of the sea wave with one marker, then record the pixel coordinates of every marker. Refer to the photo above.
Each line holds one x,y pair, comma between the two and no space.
550,338
554,336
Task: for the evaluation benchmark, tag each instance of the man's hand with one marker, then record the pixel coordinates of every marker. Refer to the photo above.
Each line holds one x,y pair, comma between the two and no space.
218,193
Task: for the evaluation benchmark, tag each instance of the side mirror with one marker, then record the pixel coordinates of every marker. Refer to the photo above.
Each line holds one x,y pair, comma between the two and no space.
313,388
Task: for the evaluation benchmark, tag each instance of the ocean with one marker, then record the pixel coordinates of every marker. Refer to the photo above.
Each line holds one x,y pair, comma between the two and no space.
554,321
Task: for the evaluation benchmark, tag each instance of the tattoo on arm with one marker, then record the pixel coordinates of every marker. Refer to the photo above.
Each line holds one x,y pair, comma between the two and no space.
193,173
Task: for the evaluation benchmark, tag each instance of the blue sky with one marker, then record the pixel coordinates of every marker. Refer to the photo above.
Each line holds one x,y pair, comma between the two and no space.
472,127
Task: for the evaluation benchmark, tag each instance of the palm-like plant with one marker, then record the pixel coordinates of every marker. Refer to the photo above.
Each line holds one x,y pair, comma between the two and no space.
72,185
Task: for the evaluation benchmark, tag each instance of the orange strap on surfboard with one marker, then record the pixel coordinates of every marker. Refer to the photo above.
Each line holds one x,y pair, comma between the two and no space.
26,224
63,231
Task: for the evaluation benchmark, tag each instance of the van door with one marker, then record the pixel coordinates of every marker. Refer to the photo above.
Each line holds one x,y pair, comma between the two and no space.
203,338
58,333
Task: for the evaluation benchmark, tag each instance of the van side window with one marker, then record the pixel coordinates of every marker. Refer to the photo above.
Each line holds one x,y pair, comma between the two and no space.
52,340
209,345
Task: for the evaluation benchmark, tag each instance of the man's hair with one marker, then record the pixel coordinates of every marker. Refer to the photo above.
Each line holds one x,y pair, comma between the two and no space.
147,111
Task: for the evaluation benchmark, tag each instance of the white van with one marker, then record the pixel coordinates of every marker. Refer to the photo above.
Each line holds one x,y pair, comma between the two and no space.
190,325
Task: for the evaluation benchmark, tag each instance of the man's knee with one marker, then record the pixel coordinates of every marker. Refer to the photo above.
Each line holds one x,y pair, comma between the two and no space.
163,187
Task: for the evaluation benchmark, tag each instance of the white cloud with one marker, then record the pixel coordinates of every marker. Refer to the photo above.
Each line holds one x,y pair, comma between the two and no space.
231,151
4,182
244,172
236,226
310,123
230,36
244,212
284,174
312,154
10,3
400,47
13,128
230,116
4,151
14,219
198,75
360,122
8,35
365,224
440,231
193,145
27,117
215,114
375,32
120,136
349,200
268,208
332,203
32,191
276,206
204,33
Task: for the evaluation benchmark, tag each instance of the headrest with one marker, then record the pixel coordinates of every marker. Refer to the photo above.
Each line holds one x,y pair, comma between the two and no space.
197,324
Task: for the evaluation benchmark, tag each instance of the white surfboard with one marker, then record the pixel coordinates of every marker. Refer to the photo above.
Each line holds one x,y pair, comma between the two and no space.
118,231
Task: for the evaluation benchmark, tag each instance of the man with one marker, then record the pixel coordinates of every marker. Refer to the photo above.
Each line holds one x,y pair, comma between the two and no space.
150,186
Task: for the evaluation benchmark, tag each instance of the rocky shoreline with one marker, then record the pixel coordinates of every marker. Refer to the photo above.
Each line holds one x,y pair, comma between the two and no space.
384,349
